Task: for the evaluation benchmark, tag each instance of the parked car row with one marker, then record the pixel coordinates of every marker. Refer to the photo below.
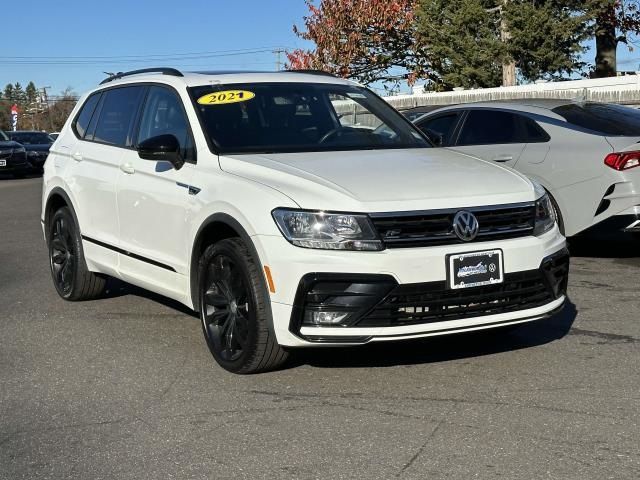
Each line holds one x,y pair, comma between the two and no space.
23,152
585,155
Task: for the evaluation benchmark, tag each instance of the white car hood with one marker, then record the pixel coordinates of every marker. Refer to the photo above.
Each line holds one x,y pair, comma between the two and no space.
383,180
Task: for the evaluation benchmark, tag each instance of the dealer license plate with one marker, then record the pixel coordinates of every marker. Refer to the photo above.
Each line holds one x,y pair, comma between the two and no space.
3,163
474,269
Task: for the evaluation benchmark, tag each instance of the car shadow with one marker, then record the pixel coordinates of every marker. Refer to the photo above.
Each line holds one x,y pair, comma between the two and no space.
443,348
605,245
118,288
407,352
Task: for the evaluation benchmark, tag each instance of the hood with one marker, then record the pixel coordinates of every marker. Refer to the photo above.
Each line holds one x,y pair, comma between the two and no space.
383,180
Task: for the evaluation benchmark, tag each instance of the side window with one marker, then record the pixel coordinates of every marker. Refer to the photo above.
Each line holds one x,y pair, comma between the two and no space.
84,117
533,132
163,114
117,115
441,126
483,127
487,127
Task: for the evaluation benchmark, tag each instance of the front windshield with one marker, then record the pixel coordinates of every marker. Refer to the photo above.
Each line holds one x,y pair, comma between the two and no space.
3,136
31,138
299,117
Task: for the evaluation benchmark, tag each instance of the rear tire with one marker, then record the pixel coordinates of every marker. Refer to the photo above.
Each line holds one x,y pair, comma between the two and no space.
235,310
71,277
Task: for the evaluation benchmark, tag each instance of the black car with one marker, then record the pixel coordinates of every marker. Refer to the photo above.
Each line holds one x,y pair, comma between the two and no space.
13,157
37,145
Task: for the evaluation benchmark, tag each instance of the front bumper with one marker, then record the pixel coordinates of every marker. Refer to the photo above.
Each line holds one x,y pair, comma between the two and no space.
14,163
418,273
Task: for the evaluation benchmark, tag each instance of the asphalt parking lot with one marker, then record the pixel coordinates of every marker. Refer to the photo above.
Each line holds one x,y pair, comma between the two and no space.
124,387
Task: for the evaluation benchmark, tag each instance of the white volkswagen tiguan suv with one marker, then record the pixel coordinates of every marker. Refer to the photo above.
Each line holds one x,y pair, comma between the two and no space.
291,209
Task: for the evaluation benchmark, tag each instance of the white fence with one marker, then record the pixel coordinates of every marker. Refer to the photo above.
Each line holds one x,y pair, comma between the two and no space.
623,89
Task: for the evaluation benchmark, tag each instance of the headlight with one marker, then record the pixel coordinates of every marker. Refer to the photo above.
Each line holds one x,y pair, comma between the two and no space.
328,231
19,150
545,215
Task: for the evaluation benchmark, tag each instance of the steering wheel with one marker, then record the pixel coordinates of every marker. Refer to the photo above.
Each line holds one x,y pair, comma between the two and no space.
334,132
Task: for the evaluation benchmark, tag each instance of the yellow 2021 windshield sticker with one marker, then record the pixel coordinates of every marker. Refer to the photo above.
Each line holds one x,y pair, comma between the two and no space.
227,96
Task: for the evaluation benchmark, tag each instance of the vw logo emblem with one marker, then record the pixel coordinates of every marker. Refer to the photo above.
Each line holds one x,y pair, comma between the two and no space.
465,225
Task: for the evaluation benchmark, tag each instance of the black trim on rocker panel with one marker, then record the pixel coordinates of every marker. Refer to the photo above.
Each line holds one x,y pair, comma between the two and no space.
128,254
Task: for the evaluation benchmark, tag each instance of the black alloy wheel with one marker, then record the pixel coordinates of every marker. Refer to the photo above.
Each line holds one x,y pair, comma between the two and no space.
62,255
235,309
226,308
71,276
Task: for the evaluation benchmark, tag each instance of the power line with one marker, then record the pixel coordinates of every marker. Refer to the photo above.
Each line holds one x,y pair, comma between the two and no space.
97,60
145,56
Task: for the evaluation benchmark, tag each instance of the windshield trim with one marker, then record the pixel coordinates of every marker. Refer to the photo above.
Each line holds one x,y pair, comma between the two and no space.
217,149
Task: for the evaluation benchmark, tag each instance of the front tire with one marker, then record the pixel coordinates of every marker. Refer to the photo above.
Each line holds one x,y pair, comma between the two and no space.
235,310
71,277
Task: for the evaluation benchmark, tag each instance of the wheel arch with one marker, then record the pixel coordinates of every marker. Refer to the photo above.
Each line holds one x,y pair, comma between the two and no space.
216,227
56,199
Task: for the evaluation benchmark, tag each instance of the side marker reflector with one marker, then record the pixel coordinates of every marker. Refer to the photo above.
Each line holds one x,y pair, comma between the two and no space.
267,272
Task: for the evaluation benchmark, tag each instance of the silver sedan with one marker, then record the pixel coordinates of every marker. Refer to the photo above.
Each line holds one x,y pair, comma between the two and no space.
585,154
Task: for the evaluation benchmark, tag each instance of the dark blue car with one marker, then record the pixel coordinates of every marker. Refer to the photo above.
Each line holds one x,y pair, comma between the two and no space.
37,145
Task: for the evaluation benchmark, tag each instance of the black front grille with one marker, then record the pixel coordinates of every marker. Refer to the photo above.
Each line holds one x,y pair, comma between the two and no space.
432,302
418,229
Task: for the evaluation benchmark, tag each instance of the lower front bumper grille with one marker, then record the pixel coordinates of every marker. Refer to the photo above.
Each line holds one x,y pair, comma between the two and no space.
433,302
378,301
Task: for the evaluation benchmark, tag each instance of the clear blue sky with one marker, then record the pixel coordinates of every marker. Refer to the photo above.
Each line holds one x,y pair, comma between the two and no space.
112,28
140,29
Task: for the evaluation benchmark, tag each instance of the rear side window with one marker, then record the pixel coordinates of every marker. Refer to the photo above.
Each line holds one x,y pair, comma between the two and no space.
117,115
487,127
84,117
607,119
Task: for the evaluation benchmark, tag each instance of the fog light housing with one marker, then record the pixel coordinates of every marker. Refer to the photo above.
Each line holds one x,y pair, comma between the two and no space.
337,299
326,318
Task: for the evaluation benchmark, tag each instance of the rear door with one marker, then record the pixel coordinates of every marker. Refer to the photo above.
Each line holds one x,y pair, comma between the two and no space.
155,199
103,130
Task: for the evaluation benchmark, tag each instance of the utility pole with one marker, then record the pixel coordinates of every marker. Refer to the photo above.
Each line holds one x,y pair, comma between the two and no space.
278,52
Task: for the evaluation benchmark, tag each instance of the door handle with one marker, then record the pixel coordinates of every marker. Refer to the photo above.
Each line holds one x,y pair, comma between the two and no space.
77,156
503,158
127,168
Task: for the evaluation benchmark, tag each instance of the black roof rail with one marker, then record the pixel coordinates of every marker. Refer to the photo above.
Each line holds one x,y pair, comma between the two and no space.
163,70
311,72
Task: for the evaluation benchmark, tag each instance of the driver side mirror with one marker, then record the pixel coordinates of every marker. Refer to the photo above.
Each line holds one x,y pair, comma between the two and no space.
162,148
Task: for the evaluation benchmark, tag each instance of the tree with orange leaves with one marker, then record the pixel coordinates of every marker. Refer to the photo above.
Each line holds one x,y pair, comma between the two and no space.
362,39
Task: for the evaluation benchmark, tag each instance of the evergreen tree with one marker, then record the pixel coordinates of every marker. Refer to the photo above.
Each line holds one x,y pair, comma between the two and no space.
467,41
31,94
546,38
8,92
19,95
460,40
